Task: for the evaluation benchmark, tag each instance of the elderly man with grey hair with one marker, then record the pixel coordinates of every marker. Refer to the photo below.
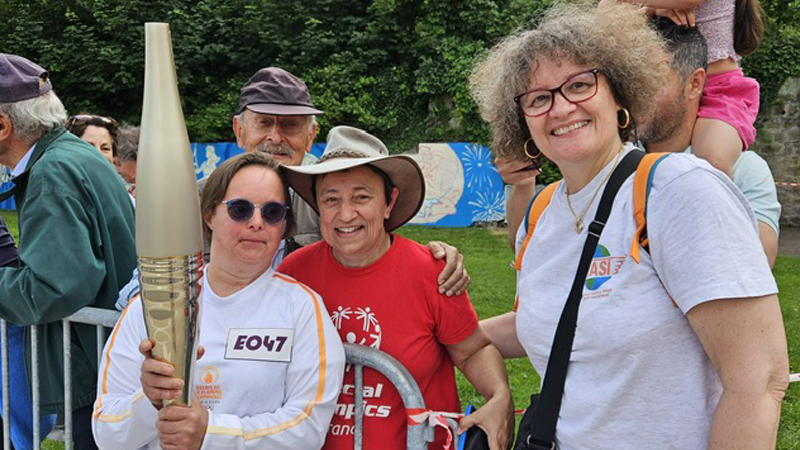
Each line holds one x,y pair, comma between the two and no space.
76,225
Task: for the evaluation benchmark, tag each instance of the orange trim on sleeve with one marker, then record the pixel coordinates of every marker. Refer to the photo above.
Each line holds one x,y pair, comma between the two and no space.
323,358
104,384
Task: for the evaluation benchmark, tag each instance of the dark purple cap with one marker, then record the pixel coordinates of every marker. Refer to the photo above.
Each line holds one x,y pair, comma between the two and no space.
275,91
21,79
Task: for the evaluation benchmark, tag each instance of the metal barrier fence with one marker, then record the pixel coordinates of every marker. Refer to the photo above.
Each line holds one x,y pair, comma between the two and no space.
358,356
102,319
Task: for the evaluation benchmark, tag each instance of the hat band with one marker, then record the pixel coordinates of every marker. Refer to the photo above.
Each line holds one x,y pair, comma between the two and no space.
342,153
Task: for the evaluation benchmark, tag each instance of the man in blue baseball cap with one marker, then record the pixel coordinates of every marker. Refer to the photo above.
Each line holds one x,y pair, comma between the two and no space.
76,225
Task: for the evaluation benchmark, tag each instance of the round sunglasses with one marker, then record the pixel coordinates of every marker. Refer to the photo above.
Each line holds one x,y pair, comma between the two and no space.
241,210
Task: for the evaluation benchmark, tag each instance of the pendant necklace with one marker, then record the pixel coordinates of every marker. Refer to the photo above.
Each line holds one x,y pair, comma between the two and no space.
578,227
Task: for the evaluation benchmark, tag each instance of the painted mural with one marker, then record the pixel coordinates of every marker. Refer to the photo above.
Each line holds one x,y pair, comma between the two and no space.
462,185
6,184
444,182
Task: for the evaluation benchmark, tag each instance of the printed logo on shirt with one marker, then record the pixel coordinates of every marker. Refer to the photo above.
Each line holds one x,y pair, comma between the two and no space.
260,344
358,326
209,374
208,389
603,267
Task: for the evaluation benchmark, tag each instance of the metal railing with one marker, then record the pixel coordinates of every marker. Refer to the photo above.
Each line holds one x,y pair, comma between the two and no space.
102,319
418,435
358,356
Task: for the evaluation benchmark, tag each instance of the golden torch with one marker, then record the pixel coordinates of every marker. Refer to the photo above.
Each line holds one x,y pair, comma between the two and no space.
168,228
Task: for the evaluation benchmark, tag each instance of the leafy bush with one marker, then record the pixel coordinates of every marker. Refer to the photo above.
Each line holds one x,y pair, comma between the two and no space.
397,68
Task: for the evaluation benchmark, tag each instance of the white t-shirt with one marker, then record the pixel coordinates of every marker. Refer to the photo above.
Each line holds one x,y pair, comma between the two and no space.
638,376
278,396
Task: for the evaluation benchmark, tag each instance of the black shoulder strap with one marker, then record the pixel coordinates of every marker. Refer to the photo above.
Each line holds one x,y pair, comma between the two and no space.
543,429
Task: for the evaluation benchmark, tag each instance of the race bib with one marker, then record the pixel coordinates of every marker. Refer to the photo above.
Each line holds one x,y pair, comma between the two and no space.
260,344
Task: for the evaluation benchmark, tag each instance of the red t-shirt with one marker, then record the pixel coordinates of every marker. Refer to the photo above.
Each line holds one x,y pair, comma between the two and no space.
392,305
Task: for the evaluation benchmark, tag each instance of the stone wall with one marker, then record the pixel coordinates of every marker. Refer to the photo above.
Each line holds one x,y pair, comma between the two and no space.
778,142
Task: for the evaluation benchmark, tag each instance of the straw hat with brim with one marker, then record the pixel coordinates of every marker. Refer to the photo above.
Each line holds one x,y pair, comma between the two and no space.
350,147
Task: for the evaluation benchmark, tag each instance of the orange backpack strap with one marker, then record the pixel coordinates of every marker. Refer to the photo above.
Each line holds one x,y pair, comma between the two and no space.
538,205
642,182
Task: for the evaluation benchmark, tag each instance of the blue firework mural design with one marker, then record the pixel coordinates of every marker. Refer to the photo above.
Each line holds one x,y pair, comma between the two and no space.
478,167
488,207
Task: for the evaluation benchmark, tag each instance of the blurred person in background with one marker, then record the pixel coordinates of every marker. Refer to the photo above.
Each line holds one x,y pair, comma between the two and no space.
127,152
99,131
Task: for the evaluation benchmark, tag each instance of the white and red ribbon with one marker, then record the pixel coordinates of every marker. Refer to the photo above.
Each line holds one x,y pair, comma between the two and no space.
433,419
794,377
787,183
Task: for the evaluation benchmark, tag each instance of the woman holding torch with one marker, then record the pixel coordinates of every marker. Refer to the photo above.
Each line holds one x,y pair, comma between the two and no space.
273,364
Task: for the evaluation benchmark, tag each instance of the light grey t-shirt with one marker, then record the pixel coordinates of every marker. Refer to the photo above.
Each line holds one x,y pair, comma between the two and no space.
753,177
638,376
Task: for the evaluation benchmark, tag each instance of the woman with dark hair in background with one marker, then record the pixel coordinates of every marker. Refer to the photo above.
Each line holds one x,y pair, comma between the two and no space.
99,131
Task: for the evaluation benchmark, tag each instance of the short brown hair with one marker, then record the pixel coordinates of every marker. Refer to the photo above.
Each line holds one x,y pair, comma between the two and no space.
219,180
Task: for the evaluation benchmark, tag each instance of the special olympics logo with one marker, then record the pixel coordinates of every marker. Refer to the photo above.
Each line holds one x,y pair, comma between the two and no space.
358,326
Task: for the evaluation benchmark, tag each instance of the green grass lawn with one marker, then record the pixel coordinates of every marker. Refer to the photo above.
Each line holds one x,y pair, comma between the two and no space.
492,292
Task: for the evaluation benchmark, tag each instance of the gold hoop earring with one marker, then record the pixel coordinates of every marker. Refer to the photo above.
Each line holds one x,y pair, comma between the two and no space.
627,118
528,153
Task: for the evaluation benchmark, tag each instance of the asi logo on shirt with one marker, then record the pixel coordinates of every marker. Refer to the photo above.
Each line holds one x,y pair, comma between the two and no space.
260,344
603,267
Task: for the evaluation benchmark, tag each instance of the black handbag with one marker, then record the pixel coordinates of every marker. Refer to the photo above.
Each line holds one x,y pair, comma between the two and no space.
537,429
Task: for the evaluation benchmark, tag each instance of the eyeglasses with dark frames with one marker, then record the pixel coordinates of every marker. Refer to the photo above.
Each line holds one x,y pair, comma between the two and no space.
241,210
578,88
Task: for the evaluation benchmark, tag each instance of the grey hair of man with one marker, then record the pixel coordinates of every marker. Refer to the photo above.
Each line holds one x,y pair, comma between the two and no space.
128,143
686,45
34,117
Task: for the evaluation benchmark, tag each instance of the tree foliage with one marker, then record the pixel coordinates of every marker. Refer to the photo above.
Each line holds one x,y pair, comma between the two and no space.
397,68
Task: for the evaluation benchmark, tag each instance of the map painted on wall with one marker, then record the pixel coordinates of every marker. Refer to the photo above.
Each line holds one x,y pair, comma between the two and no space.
462,185
6,184
444,182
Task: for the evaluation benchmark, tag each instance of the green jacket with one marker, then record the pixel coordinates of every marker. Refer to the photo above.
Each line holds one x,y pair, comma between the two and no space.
77,248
